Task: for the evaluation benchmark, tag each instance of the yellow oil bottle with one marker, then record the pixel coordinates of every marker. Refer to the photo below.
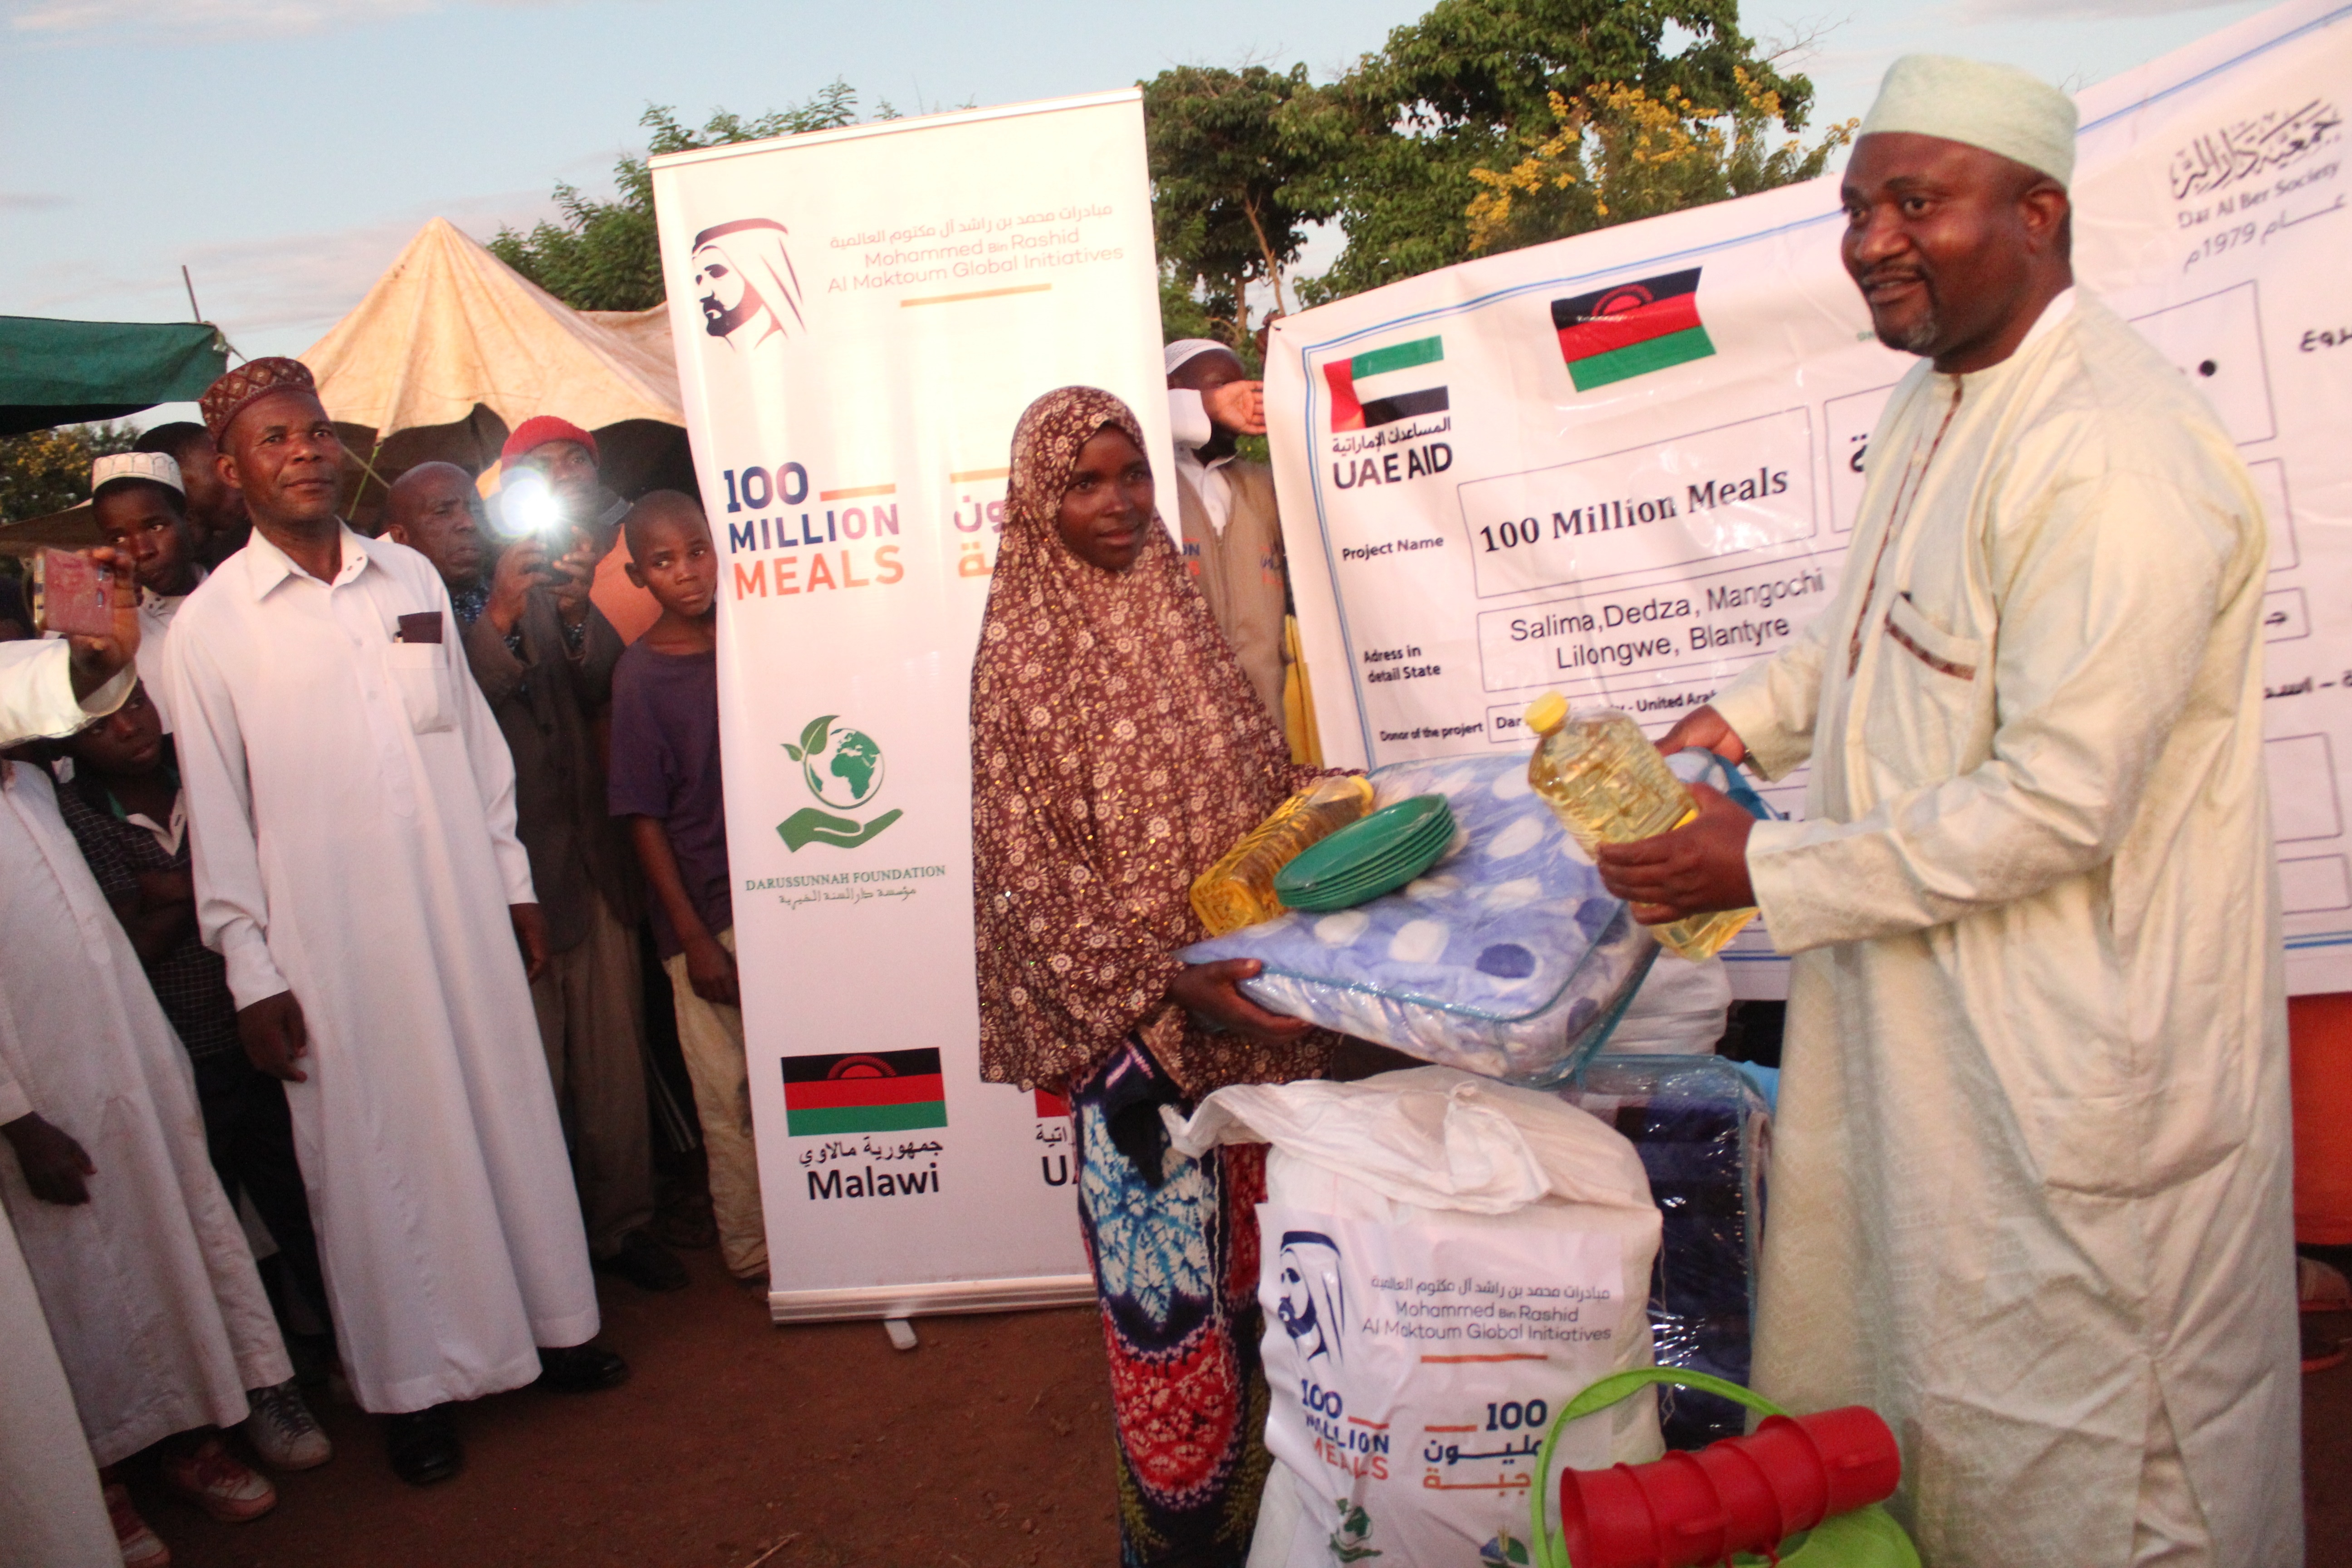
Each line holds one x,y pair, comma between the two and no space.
1608,784
1238,890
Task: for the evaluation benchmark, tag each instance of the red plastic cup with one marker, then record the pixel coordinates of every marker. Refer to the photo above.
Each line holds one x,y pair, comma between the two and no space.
1858,1453
1684,1507
1792,1468
1604,1519
1751,1509
1742,1494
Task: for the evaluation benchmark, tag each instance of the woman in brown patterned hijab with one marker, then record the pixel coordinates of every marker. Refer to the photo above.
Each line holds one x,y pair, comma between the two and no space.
1118,750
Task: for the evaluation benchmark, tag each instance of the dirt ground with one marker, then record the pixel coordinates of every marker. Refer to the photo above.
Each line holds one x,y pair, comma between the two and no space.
737,1443
988,1446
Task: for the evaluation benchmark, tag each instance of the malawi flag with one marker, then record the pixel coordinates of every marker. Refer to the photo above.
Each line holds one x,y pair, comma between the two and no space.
1630,328
863,1092
1386,385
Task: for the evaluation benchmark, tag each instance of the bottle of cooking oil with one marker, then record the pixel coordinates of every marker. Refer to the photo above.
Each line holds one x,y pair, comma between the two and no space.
1608,784
1238,890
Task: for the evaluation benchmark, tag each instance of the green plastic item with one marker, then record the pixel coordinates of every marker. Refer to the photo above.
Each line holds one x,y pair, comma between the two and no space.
1365,858
1865,1538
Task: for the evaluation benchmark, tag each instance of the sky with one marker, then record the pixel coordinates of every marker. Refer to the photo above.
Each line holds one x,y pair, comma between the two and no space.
285,151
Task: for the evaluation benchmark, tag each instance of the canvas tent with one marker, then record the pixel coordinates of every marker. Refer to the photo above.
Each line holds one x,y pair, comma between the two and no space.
452,348
449,350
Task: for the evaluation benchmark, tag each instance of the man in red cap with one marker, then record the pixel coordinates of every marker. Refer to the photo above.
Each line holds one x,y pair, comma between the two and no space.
565,456
353,810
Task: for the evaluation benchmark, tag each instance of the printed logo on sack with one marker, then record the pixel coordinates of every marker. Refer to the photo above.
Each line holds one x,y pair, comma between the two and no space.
843,768
744,281
1627,330
1384,385
863,1091
1314,1307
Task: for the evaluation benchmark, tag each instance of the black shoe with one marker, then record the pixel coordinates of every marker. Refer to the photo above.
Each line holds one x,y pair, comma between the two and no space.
580,1369
423,1445
645,1263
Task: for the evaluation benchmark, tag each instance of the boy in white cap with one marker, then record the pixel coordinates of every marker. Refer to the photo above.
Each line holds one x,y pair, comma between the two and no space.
140,502
2031,1183
1224,503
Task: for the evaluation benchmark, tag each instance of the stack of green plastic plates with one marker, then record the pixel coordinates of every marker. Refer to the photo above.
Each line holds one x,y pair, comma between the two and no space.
1364,860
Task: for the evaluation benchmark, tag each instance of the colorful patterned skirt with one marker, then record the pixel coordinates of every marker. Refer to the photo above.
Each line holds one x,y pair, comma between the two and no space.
1174,1246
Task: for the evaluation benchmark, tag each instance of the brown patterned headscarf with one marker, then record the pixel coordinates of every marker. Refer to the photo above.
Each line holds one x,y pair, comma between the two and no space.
1117,750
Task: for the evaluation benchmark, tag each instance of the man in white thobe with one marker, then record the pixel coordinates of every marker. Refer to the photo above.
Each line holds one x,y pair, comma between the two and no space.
352,807
2030,1178
50,1509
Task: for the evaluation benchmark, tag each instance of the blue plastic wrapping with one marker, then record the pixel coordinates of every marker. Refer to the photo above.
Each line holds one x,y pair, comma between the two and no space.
1506,957
1704,1136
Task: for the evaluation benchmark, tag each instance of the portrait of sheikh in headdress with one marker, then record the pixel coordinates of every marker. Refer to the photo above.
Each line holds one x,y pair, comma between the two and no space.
1313,1309
743,277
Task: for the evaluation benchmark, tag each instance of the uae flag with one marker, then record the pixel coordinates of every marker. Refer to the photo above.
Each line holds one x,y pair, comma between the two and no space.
863,1092
1386,385
1630,328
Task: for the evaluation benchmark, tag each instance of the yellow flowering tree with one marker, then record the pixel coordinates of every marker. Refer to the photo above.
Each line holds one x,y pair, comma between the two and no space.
1616,152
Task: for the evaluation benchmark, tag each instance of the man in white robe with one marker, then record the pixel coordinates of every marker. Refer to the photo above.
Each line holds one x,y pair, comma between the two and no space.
352,807
50,1509
2031,1173
141,1267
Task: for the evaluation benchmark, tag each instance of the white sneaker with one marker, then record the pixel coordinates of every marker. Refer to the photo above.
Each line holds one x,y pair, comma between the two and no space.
283,1431
141,1547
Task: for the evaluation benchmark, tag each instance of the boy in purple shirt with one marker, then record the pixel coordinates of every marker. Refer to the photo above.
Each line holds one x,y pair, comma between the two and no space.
664,780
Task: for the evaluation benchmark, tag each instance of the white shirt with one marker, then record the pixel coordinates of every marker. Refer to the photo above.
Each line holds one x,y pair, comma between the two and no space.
1188,420
37,699
155,614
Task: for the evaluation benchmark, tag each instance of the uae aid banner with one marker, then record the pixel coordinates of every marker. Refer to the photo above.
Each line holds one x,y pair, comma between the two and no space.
860,317
1624,466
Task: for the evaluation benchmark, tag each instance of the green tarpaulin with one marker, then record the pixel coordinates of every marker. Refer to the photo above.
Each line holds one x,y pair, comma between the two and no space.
61,373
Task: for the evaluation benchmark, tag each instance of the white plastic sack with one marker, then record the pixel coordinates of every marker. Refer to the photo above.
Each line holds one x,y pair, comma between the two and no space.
1680,1010
1446,1261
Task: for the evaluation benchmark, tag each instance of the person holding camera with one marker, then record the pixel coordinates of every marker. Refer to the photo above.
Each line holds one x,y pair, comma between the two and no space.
543,655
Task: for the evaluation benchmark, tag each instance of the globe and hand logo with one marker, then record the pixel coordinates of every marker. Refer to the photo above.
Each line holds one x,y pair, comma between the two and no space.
844,771
843,768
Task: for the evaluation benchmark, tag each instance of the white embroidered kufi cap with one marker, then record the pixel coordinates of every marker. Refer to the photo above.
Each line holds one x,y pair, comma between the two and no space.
1185,350
156,468
1999,108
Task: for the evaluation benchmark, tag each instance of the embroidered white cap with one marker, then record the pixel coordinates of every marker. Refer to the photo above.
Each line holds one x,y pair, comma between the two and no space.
1185,350
156,468
1999,108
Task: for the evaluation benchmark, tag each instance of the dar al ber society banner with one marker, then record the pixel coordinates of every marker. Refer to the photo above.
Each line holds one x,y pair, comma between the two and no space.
860,316
1624,466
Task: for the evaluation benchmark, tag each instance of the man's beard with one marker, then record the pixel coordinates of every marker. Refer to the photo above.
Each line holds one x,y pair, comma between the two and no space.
720,322
1920,336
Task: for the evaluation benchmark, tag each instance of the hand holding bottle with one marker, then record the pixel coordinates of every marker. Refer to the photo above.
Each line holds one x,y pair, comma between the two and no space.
1700,867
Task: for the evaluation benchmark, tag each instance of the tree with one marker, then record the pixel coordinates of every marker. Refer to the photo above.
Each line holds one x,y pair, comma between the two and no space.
42,471
1618,155
605,255
1471,86
1229,197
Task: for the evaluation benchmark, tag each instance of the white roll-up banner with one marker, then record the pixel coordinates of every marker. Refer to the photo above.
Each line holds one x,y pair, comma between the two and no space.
1625,465
860,317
